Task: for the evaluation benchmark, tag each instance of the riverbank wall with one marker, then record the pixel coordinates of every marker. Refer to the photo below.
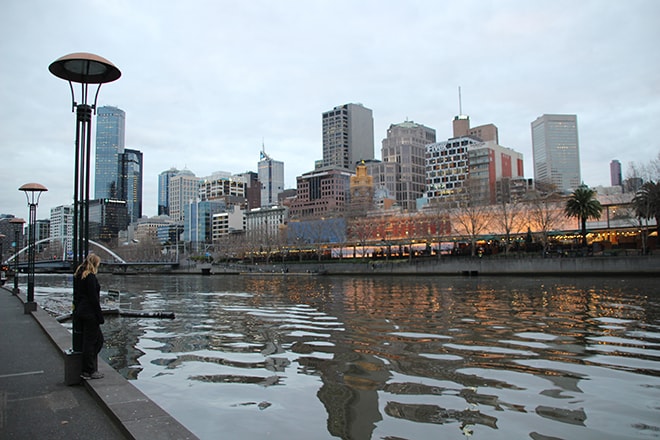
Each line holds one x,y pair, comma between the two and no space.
466,266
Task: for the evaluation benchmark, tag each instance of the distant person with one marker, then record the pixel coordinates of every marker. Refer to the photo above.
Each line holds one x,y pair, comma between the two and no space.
87,310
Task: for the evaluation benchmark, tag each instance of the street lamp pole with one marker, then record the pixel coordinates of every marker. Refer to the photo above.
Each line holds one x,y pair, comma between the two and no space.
32,194
85,69
18,226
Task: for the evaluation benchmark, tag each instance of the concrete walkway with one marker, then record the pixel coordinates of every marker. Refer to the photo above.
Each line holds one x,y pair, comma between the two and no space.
36,403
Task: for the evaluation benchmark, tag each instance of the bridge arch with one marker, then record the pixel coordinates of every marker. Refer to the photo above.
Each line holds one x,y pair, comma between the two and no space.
114,255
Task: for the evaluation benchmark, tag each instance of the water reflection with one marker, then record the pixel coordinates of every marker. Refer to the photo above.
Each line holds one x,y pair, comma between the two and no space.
393,358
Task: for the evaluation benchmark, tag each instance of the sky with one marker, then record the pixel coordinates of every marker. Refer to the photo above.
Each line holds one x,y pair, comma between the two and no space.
207,84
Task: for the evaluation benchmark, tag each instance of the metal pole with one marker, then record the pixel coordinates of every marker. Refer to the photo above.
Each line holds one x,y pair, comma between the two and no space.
16,258
31,252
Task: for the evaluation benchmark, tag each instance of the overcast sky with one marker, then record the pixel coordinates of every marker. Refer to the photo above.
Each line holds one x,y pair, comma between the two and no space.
204,83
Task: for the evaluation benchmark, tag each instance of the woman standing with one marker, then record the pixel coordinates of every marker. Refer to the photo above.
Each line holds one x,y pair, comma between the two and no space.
87,309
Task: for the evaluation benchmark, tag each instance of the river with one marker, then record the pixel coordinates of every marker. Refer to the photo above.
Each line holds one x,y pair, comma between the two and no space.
321,357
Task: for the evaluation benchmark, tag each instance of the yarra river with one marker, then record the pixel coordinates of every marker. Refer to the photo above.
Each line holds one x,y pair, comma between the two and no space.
323,357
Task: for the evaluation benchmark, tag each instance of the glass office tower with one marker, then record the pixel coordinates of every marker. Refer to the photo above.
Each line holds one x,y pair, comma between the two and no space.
130,182
110,137
556,151
271,176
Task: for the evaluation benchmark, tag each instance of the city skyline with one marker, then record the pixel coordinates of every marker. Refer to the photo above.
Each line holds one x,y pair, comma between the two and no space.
207,97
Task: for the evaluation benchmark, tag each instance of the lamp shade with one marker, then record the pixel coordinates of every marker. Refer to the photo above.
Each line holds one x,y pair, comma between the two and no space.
87,68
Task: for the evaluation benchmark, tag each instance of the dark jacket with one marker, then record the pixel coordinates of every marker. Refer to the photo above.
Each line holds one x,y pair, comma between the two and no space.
86,298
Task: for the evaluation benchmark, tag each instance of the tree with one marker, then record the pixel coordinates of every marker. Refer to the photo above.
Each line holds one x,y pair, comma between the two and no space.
509,219
544,215
582,204
647,202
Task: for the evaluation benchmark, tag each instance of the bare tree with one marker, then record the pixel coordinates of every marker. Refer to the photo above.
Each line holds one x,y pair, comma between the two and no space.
545,214
508,218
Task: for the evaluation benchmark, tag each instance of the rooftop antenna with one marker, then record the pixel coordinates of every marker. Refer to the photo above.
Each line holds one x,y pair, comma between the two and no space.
460,102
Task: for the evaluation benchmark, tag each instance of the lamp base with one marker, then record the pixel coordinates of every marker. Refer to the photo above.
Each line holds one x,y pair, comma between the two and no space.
29,307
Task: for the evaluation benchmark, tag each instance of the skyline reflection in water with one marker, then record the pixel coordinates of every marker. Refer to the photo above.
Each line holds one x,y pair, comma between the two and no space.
391,357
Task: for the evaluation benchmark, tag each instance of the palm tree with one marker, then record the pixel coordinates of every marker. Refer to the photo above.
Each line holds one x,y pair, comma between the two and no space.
582,204
647,202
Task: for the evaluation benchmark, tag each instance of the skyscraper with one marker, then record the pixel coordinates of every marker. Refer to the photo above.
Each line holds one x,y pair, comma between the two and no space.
164,190
348,136
271,176
406,145
615,173
110,137
130,182
556,151
183,189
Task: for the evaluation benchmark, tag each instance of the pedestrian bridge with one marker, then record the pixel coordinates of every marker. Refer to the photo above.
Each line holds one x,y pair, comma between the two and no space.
66,264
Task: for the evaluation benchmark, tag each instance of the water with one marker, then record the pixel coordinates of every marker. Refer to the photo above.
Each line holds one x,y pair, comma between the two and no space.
390,358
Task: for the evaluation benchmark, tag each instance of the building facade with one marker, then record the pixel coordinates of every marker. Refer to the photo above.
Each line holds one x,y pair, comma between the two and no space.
361,193
271,176
222,186
252,188
130,182
110,138
266,224
231,221
405,145
198,223
61,226
466,169
183,188
107,217
164,190
556,151
348,136
615,173
321,193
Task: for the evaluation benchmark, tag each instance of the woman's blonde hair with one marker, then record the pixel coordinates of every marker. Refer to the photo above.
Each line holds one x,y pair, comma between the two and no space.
90,265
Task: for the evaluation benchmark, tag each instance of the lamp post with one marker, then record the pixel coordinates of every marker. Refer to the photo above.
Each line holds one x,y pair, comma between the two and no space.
2,270
84,69
32,194
18,226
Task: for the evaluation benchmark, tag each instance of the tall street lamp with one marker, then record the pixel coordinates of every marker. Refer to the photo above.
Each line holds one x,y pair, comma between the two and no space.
32,194
2,270
84,69
18,227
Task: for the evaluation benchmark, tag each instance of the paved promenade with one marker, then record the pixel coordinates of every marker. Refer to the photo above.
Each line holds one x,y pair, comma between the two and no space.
35,402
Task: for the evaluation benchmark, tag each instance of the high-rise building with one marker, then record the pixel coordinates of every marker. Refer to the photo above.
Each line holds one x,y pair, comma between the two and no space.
405,145
164,190
348,136
107,217
110,138
271,176
556,151
183,189
61,226
615,173
252,188
465,169
321,193
221,185
130,182
198,222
